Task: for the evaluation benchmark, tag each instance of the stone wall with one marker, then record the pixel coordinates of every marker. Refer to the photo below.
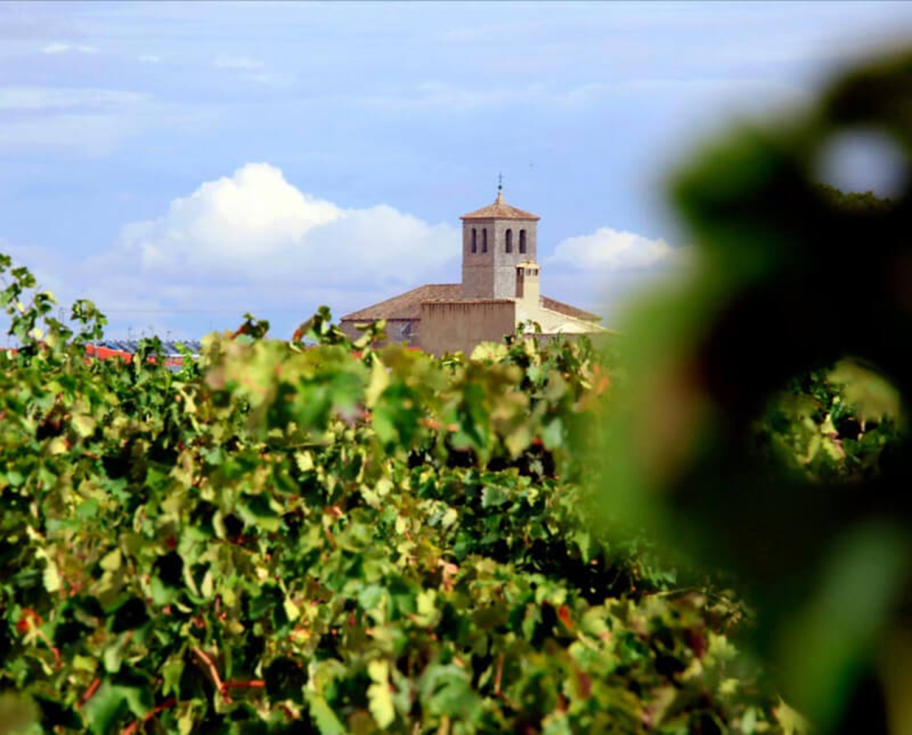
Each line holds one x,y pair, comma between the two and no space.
477,267
492,275
450,326
397,330
505,263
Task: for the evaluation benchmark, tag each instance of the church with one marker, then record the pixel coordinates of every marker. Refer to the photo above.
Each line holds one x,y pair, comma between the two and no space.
499,291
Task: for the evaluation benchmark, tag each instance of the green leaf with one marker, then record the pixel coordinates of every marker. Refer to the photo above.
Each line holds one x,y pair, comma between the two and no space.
493,497
379,380
84,425
447,690
380,699
51,577
139,700
292,611
113,657
553,434
258,512
111,561
207,585
171,672
326,719
105,709
791,721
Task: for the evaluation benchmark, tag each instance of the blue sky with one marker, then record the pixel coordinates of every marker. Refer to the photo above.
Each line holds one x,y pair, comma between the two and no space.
182,163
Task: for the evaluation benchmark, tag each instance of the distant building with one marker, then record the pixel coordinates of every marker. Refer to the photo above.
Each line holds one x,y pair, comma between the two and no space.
499,291
124,349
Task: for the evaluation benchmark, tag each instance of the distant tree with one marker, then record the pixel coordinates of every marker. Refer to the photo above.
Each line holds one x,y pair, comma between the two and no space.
855,201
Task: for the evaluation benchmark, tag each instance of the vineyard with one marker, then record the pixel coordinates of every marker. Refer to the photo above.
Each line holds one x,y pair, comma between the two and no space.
319,536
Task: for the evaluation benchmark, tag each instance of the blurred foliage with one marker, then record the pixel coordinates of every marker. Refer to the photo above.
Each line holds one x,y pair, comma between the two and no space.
764,431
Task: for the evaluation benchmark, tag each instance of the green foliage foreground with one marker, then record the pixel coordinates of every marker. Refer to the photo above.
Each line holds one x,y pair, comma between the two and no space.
319,536
790,277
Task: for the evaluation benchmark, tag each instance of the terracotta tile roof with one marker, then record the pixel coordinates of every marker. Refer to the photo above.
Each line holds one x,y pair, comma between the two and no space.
469,301
407,305
568,310
500,210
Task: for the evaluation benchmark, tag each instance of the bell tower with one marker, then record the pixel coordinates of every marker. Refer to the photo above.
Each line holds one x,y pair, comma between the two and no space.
495,240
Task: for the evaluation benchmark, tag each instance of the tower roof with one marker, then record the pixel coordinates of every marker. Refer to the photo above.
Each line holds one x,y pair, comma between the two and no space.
500,210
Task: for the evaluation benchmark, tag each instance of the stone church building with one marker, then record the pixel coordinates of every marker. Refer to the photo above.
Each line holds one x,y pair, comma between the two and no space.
499,291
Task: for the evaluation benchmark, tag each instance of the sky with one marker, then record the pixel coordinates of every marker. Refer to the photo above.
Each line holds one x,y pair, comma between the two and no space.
184,163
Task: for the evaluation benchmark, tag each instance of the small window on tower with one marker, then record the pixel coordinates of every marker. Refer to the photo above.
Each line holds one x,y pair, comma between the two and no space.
509,247
522,241
474,241
484,240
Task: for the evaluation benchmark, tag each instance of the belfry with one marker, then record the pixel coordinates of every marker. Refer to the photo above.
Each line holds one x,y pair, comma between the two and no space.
499,291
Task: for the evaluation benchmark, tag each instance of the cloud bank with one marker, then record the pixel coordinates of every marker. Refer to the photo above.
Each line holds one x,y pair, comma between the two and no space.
254,242
610,250
609,268
256,227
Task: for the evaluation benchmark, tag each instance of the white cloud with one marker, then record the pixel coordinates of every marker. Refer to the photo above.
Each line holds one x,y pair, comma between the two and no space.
55,48
149,59
609,269
253,214
608,249
256,228
237,62
249,242
606,270
64,48
44,98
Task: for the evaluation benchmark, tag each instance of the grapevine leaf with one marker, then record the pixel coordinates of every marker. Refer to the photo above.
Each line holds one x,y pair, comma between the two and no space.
105,708
327,721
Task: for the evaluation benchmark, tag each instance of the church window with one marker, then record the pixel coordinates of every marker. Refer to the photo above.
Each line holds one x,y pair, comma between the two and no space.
474,241
484,240
509,247
522,241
